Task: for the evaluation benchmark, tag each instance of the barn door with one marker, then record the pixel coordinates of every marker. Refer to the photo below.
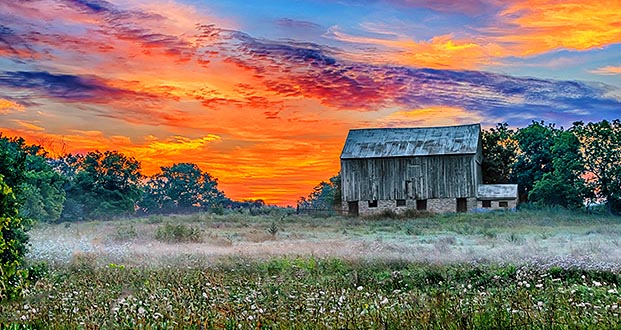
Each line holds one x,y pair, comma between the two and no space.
415,184
462,205
352,209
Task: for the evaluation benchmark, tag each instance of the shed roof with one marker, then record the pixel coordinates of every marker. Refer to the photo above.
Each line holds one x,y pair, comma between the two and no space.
497,191
407,142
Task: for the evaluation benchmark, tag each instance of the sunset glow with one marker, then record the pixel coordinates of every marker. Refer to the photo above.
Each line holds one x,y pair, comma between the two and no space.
262,94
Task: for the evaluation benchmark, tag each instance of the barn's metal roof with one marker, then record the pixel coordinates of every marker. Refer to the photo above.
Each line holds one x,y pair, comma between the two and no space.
407,142
497,191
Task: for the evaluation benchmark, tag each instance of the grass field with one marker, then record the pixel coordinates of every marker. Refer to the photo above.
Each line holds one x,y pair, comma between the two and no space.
529,269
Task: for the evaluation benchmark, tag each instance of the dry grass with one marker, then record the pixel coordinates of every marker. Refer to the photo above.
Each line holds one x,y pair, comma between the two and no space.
493,238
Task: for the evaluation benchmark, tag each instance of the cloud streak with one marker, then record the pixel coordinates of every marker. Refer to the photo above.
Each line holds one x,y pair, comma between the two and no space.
608,70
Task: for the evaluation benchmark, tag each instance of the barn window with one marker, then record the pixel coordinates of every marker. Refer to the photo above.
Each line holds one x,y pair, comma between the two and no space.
487,204
421,204
400,202
503,204
372,203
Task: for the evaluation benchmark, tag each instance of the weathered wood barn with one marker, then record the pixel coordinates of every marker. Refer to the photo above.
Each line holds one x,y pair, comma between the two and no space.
431,168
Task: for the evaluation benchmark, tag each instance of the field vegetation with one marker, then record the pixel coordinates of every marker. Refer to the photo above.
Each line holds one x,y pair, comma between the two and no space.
550,269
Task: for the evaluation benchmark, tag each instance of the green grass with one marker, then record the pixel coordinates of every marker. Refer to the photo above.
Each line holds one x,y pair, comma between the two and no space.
312,293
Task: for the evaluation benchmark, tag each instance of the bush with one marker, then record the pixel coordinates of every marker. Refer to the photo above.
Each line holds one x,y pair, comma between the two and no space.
13,242
178,233
125,233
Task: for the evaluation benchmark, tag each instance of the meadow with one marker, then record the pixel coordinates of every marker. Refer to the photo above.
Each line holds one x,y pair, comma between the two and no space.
550,269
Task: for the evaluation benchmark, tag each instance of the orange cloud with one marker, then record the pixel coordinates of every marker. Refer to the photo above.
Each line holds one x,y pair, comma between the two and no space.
29,126
608,70
440,52
7,106
538,26
431,116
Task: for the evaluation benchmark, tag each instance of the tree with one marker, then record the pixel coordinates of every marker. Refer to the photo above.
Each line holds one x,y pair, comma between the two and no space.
325,195
182,187
101,185
499,154
36,185
534,158
564,186
42,192
601,147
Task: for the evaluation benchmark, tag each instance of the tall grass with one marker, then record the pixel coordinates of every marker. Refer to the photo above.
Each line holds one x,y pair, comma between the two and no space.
313,293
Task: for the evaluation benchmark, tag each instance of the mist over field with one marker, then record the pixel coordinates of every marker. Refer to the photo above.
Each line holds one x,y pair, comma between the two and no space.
544,238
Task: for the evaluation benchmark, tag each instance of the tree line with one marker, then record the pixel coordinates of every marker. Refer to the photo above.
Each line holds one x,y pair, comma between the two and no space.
575,168
103,185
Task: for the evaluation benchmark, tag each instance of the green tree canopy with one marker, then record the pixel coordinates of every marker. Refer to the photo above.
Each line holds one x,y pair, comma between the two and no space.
499,154
100,185
534,157
601,146
182,187
564,186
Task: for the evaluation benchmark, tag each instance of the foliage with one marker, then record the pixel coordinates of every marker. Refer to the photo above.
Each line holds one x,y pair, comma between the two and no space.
181,188
37,187
13,154
178,233
125,233
601,147
13,227
42,191
325,195
101,185
316,293
534,158
499,154
13,243
563,186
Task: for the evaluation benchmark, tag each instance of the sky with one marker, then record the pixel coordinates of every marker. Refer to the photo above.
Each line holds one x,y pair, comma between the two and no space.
261,94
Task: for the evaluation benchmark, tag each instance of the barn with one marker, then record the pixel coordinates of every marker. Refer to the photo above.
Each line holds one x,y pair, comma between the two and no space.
428,168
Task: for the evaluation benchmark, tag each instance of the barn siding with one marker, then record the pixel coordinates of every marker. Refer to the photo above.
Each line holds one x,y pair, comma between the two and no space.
447,176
